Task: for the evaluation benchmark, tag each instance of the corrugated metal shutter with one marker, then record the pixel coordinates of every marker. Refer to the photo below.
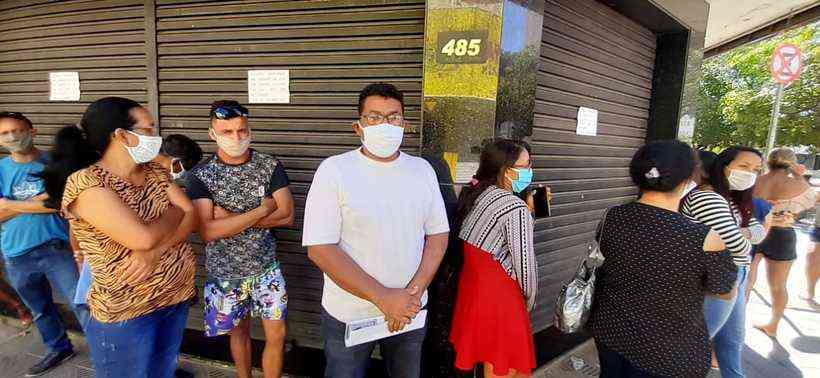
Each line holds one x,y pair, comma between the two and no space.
103,40
591,56
332,49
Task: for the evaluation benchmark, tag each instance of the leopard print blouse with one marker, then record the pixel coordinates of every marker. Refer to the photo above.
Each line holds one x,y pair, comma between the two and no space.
109,298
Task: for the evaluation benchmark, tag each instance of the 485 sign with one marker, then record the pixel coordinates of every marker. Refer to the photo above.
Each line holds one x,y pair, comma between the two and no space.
469,47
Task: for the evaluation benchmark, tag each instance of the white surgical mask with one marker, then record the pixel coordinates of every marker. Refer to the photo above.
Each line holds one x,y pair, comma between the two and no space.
232,147
147,148
17,143
741,180
382,140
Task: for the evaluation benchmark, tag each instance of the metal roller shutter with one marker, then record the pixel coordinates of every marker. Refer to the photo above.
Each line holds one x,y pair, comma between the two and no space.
102,40
332,49
594,57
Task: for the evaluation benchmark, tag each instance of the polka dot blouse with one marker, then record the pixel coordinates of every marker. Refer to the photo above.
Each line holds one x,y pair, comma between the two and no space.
648,303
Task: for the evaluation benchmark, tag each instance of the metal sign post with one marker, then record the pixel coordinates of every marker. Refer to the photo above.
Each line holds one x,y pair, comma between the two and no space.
787,64
775,116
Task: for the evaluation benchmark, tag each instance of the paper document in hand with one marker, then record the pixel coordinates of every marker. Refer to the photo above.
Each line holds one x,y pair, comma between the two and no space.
371,329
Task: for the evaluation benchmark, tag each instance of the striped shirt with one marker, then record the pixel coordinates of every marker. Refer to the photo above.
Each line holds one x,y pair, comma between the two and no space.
710,208
501,224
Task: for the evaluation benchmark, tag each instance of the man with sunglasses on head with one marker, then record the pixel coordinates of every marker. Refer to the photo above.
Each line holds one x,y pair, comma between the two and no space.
376,225
240,195
34,240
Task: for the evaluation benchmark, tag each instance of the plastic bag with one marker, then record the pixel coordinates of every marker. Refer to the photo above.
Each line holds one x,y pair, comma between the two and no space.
574,304
575,301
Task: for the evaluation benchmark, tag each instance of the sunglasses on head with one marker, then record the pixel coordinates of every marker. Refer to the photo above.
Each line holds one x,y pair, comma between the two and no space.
15,115
229,112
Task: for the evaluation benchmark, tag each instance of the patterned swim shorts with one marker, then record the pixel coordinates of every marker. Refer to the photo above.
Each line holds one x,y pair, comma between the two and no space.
227,302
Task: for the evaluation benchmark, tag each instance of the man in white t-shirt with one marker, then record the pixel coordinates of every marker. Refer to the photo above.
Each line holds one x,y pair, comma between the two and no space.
375,224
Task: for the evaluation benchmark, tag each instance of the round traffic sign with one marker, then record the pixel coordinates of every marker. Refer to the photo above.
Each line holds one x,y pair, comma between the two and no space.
787,63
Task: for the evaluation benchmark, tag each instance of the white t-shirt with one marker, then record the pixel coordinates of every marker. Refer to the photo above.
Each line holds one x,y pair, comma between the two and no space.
379,214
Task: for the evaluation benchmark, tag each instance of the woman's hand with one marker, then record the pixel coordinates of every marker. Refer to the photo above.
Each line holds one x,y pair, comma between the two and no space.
139,265
530,200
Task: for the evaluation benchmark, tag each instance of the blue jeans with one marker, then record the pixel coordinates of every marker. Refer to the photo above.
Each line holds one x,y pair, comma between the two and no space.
401,353
147,346
34,275
726,323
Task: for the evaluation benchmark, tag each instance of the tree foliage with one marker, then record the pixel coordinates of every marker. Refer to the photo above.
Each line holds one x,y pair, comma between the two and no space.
736,95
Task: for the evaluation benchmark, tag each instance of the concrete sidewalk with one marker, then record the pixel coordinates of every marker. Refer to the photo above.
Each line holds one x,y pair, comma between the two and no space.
19,349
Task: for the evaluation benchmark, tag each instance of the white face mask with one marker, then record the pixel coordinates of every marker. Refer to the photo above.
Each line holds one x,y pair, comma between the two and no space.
382,140
741,180
17,142
147,148
230,146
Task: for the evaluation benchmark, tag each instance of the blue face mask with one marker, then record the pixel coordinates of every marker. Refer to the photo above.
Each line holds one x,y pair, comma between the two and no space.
524,179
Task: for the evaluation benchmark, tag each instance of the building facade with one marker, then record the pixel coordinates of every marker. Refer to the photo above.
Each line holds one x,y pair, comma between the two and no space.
470,69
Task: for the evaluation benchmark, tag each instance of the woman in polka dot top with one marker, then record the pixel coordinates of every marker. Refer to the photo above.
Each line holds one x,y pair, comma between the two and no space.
647,316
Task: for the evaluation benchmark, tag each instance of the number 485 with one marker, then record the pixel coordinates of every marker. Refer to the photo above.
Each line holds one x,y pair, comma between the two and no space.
462,47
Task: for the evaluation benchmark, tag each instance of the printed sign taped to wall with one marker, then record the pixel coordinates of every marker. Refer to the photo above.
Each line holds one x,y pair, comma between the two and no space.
686,127
64,86
465,172
587,122
268,86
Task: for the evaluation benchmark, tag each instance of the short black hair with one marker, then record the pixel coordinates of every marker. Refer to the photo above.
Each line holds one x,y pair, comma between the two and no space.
18,116
382,90
181,147
662,166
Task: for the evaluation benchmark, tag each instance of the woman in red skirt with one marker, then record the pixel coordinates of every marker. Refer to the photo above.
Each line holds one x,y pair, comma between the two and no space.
491,322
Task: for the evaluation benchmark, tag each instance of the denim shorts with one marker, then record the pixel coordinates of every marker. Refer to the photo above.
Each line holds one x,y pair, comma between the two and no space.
228,302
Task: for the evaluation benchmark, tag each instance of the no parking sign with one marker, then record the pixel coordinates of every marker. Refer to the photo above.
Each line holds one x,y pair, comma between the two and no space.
787,64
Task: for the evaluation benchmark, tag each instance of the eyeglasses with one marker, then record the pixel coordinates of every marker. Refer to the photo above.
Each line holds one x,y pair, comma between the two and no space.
229,112
377,119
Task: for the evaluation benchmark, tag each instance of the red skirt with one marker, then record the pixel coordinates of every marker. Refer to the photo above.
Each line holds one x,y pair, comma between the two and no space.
490,321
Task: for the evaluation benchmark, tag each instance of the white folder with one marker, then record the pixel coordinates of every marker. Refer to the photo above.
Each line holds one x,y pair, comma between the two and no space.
371,329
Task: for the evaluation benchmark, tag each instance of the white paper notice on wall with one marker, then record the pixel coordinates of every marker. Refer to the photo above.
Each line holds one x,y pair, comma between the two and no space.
65,86
686,128
587,122
465,172
268,86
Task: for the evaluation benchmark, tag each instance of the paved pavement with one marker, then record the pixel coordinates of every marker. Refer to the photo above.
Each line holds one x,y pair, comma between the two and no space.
19,349
795,353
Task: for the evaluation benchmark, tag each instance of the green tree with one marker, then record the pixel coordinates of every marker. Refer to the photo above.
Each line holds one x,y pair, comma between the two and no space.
736,95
